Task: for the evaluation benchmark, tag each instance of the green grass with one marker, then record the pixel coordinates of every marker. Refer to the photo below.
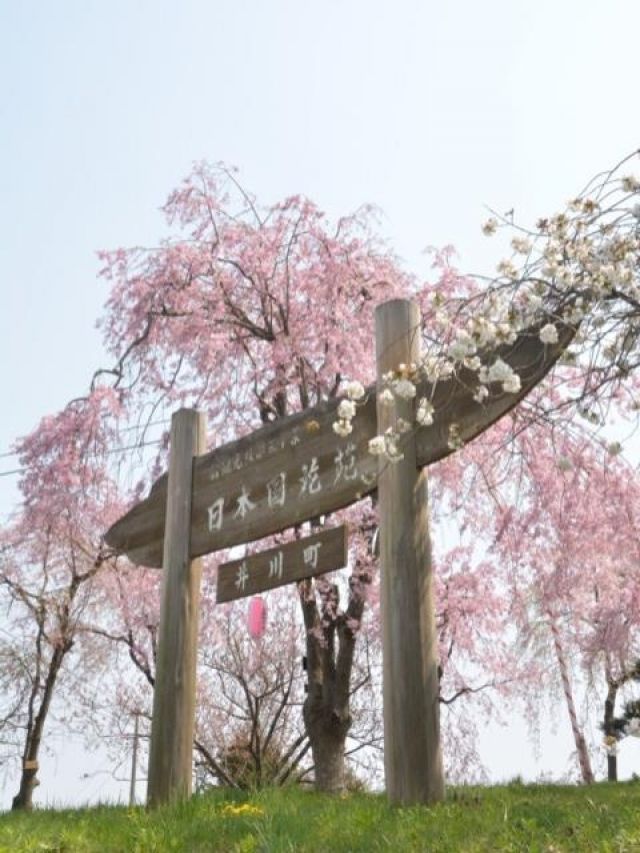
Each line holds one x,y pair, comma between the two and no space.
509,818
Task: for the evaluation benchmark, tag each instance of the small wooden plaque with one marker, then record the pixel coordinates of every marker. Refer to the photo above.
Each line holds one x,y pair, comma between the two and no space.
323,552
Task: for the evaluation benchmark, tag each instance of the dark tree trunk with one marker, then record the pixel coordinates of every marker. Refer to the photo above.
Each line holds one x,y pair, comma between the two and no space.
327,748
330,652
24,798
28,781
609,728
43,685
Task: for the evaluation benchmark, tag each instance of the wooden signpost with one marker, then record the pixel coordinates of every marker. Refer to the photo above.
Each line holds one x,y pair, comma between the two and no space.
410,687
326,551
292,471
174,693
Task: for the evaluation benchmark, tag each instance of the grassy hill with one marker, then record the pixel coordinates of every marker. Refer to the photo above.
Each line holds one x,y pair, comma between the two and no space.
510,818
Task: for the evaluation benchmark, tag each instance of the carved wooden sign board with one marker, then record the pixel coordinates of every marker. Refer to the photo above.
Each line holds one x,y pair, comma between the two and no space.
297,468
324,552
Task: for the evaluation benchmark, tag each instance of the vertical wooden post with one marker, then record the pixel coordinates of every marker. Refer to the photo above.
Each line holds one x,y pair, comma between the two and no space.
412,755
171,748
134,760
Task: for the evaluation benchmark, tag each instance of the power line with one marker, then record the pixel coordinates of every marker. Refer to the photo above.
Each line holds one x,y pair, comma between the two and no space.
133,446
125,429
107,453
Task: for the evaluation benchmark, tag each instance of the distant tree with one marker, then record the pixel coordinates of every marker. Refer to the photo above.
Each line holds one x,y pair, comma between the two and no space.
249,730
615,728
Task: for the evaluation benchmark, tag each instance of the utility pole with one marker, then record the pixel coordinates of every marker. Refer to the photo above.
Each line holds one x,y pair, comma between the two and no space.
134,761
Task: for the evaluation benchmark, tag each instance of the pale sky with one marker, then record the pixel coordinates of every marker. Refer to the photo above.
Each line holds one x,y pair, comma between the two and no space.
430,111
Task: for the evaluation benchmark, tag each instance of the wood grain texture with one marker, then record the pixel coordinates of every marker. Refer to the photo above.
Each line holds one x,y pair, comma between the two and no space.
326,551
412,754
286,446
171,747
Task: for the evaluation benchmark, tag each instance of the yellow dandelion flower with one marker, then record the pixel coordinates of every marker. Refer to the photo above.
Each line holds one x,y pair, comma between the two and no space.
242,809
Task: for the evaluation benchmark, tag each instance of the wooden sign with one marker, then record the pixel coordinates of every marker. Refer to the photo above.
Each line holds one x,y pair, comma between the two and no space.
289,472
297,468
324,552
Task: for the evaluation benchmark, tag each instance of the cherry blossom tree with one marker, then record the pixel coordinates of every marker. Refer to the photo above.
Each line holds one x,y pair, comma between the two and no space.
49,564
248,728
564,527
252,313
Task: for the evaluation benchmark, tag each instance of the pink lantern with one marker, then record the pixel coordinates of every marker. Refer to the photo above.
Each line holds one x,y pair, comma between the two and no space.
257,619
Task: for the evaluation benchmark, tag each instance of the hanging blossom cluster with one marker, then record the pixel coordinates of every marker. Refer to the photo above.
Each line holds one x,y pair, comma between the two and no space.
347,408
577,270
